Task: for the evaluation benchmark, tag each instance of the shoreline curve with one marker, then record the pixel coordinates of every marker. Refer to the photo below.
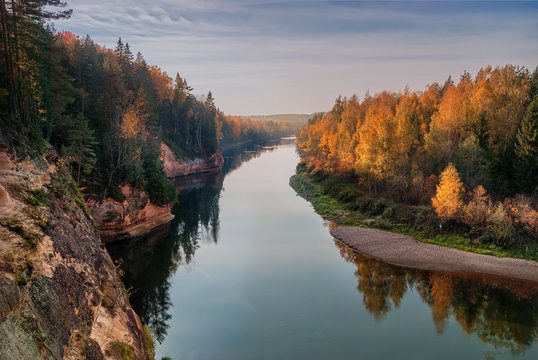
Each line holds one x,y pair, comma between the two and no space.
404,250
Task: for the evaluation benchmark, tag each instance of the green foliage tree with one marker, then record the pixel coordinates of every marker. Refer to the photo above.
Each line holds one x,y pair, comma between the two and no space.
80,146
526,150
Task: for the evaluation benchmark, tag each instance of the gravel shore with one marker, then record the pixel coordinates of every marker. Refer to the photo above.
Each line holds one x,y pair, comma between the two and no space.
405,251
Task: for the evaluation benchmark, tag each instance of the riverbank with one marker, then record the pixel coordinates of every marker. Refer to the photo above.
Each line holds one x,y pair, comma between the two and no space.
339,212
403,250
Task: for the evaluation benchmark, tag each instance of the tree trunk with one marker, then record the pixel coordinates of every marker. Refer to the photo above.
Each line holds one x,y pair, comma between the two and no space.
8,59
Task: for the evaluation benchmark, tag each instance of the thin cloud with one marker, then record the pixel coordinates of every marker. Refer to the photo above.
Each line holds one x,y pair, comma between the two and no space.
297,56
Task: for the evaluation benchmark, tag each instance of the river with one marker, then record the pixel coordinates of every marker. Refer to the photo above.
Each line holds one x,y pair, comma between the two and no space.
248,270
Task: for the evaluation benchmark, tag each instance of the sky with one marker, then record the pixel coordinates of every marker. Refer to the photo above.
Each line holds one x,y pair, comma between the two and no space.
297,56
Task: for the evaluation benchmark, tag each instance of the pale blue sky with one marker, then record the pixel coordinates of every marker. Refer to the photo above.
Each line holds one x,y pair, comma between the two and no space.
264,56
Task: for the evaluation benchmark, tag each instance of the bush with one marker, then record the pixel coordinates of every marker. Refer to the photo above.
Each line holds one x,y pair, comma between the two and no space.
523,209
349,194
477,210
37,197
150,345
122,350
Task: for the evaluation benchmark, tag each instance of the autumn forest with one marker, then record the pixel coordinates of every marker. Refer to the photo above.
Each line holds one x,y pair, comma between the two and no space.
144,216
463,155
105,111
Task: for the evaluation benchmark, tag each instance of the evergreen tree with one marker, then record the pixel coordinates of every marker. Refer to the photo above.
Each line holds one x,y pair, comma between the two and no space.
526,150
128,54
80,148
533,90
120,47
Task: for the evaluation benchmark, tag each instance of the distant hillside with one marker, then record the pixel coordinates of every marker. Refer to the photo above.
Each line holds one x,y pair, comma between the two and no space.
296,118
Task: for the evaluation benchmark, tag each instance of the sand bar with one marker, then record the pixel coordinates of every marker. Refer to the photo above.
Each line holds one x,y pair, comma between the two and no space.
402,250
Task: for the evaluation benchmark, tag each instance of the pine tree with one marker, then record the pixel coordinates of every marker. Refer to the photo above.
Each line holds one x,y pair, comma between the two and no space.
129,57
80,148
120,48
533,90
447,201
526,150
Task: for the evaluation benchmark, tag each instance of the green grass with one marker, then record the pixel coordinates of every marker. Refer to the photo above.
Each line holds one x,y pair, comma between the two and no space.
342,205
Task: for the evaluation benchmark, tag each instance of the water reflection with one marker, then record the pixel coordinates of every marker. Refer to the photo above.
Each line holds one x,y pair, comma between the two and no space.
235,157
496,311
500,311
148,262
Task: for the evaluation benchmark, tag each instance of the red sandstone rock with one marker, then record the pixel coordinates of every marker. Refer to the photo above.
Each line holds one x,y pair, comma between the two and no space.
134,216
5,163
175,168
5,200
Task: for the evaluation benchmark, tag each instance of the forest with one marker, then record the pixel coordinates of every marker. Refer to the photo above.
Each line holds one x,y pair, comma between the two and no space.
461,156
104,111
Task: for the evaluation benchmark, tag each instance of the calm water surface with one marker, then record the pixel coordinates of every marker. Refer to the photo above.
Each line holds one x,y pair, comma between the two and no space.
247,270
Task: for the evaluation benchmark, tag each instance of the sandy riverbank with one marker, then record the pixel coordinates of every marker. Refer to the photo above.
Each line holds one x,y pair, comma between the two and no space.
405,251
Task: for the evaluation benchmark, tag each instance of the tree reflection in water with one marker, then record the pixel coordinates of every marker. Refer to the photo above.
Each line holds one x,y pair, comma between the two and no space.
500,311
148,262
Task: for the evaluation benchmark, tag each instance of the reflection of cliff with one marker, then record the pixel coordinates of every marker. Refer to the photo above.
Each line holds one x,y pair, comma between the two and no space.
192,182
175,168
149,261
500,311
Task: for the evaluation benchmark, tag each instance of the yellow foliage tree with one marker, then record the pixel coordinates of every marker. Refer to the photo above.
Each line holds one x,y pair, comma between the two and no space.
447,201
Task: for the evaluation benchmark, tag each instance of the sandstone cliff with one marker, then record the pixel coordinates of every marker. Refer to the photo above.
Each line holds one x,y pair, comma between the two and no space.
175,168
132,217
60,294
136,215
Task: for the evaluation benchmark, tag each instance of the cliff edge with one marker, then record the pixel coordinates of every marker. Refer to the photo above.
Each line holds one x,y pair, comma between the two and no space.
132,217
61,297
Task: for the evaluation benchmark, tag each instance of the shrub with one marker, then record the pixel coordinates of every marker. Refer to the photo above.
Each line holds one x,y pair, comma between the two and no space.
477,210
501,230
37,197
523,209
150,344
122,350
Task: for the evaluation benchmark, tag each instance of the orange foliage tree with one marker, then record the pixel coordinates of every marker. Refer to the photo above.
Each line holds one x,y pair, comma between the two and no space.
447,201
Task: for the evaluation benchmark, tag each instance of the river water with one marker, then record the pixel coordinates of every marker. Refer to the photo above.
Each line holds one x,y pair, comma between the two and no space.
248,270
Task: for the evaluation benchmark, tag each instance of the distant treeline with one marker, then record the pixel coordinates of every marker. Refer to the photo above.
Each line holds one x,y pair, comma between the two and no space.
236,130
105,111
299,119
449,143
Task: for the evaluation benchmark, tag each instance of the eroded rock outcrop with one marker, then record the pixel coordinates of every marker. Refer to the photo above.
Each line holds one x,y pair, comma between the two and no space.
175,168
132,217
60,295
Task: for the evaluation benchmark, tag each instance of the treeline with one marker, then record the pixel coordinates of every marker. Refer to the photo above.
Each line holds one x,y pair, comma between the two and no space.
482,132
235,130
105,111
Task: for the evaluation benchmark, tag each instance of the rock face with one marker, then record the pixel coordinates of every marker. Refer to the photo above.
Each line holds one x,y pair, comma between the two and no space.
135,216
175,168
60,295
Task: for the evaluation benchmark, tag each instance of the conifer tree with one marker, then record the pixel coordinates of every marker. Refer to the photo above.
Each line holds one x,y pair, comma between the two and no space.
526,150
80,148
